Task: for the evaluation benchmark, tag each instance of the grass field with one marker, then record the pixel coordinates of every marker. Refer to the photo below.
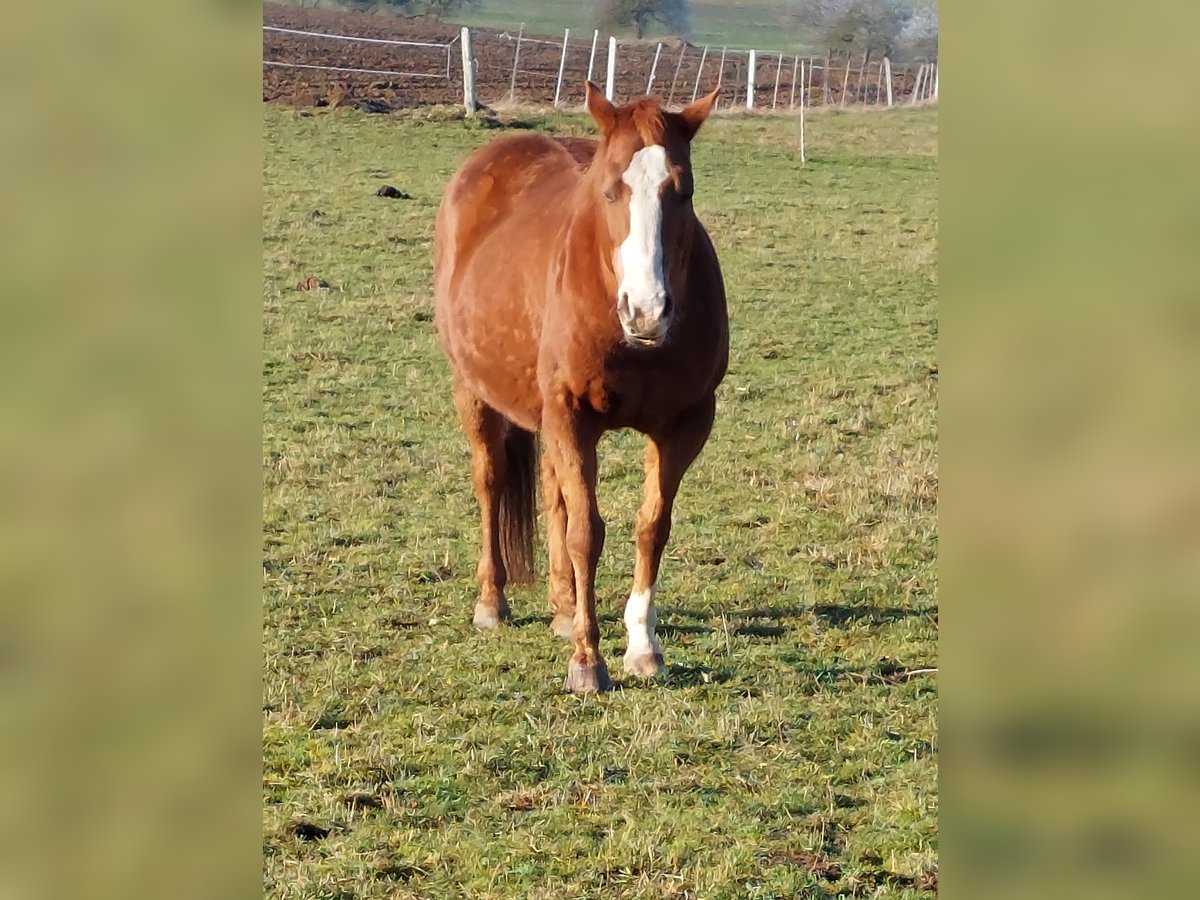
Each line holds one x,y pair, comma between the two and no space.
791,751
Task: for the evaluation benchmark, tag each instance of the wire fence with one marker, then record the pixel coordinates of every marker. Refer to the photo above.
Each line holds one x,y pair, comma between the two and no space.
511,67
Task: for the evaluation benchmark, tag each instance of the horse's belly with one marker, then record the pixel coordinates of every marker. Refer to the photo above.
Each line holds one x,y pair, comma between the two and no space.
502,373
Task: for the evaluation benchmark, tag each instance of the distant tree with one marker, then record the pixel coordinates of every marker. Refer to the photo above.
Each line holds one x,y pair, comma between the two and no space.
867,26
919,39
674,15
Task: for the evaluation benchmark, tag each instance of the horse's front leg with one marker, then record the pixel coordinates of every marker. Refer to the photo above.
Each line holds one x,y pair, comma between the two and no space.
571,440
668,456
561,581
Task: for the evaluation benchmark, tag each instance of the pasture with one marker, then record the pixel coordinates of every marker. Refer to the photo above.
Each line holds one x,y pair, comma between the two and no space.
791,749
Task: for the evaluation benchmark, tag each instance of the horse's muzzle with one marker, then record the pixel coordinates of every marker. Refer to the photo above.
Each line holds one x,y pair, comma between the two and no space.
644,329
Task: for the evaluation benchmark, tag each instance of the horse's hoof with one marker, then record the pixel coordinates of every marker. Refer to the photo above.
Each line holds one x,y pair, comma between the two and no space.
490,616
582,679
562,625
644,665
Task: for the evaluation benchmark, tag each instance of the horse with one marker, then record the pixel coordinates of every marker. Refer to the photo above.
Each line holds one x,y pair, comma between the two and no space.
576,292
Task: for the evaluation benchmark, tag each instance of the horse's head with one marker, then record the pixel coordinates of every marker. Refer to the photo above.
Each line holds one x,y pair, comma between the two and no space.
642,182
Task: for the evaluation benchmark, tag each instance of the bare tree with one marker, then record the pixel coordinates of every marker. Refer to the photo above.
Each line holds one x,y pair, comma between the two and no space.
919,39
872,27
674,15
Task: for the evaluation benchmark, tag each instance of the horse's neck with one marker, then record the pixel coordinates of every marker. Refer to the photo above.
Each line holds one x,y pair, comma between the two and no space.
588,256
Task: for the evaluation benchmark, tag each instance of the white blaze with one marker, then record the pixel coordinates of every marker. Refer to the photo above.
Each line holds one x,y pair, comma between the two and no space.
641,254
640,619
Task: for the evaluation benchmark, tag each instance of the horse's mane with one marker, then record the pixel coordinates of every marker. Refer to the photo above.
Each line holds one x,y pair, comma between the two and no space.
647,116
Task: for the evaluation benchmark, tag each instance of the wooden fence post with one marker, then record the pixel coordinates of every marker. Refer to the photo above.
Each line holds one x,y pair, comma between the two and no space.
825,80
612,67
802,111
561,65
720,75
858,88
778,70
699,72
512,87
470,101
845,80
592,58
795,66
936,69
653,67
917,86
887,68
682,50
750,64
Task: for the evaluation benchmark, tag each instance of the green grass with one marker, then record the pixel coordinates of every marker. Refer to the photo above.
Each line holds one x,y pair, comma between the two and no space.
792,748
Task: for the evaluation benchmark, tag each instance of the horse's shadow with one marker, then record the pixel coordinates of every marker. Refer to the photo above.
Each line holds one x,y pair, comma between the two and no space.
842,615
830,614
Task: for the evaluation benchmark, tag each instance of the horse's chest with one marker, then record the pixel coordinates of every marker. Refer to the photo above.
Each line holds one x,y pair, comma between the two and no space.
641,388
639,397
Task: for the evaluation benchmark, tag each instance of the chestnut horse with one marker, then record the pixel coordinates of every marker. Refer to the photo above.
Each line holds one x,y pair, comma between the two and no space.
578,293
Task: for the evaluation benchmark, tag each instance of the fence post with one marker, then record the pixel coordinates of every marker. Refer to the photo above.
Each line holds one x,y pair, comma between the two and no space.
750,79
561,64
917,86
936,69
653,67
802,110
720,75
512,86
682,50
612,67
887,68
858,88
825,80
778,69
470,103
699,72
592,58
879,86
795,66
845,80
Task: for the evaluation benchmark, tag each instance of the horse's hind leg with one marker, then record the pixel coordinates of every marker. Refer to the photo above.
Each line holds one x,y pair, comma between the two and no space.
561,582
485,431
668,456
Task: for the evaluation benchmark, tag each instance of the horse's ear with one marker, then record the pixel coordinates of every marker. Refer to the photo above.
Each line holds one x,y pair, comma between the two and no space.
601,109
694,114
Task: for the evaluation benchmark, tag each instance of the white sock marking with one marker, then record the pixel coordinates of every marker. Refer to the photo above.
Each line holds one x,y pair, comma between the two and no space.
640,620
641,253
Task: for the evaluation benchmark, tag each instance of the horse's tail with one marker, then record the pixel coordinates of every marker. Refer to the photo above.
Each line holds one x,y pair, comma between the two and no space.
518,504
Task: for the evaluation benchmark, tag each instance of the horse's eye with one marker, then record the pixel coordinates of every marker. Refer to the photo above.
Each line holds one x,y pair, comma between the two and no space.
610,195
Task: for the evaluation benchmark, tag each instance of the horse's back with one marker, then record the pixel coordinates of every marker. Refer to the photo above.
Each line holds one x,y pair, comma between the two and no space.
511,181
493,243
